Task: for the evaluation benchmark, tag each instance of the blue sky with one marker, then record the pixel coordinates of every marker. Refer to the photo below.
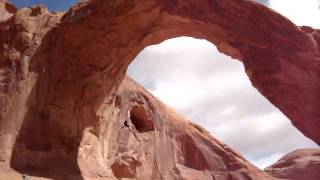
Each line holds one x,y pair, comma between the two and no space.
53,5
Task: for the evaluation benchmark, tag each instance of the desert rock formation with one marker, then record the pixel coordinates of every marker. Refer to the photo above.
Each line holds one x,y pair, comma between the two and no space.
67,111
297,165
101,38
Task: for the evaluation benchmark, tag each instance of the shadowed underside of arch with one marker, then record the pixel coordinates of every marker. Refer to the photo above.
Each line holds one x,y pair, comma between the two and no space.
76,106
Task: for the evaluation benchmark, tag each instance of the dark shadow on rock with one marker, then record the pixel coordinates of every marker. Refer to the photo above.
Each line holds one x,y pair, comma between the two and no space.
46,146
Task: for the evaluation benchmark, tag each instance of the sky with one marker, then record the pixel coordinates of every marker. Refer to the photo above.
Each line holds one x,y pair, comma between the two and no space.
53,5
213,90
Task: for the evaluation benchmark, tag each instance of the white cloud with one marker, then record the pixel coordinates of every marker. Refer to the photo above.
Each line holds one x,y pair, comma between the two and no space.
301,12
213,90
265,162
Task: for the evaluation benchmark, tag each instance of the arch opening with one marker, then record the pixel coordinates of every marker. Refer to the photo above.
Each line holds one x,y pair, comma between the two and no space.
214,91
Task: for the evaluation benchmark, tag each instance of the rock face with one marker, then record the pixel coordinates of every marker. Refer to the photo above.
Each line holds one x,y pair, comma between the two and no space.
21,35
6,10
67,111
300,164
145,139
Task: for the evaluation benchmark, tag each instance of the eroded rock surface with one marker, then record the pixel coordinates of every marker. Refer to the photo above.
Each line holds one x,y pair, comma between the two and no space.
297,165
67,111
172,148
21,35
6,10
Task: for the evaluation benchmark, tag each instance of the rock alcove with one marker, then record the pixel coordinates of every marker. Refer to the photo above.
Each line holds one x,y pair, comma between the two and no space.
140,119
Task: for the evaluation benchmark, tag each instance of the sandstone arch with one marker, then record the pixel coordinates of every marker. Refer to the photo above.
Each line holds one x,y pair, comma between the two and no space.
76,70
282,61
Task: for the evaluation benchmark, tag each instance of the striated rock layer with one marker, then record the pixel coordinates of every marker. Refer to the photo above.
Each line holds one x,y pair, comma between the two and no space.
145,139
64,115
297,165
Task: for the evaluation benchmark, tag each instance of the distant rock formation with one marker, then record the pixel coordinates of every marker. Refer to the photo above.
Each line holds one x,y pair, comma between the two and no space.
67,111
297,165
